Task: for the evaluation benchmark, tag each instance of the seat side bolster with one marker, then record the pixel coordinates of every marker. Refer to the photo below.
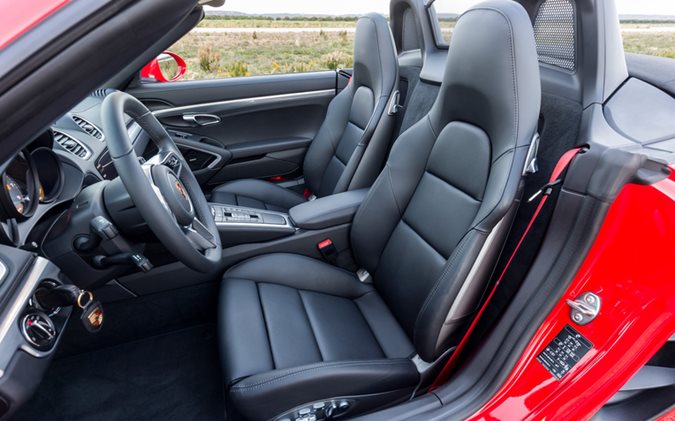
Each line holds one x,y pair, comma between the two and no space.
242,354
266,395
430,320
300,272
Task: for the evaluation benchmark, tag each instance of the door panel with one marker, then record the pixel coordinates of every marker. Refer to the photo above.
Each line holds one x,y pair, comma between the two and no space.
258,127
251,119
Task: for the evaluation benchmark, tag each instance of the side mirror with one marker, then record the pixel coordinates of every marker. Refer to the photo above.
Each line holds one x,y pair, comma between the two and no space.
167,67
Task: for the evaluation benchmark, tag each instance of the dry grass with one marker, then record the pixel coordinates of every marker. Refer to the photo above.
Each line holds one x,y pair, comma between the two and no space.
263,53
652,43
272,23
215,55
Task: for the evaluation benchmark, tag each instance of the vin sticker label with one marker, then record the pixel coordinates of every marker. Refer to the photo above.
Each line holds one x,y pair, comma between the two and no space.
564,351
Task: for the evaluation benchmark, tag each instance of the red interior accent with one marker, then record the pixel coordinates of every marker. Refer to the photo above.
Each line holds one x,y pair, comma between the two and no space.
325,243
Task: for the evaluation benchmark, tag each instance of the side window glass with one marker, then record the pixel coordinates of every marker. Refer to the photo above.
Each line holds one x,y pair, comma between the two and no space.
648,26
262,37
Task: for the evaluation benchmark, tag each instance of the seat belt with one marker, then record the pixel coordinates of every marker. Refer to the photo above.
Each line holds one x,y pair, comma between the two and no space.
544,192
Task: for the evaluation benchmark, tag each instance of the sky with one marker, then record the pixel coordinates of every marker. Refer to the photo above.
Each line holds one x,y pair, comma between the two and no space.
357,7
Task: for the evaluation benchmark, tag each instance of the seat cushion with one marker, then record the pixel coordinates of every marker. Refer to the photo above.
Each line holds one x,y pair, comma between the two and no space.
257,194
295,330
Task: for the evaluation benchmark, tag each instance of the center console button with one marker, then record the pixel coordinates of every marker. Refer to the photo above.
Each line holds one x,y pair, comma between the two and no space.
218,213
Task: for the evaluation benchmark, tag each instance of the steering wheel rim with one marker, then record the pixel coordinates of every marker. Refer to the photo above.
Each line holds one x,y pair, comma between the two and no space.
165,204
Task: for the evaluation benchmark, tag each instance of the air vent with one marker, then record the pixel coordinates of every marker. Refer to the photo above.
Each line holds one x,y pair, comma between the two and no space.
71,145
102,93
88,127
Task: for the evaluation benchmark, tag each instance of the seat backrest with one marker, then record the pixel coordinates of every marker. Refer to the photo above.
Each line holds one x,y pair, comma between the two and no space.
434,222
357,117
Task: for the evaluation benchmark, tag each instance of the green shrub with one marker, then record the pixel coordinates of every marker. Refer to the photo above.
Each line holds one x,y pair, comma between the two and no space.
238,69
209,59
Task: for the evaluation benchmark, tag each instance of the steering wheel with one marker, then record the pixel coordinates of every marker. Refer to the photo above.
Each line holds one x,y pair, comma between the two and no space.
164,190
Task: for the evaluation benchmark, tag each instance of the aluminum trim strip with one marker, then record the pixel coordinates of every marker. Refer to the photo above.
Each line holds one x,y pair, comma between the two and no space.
11,317
233,103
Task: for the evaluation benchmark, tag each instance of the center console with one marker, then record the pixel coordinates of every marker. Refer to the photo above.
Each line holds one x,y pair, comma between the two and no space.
246,225
247,232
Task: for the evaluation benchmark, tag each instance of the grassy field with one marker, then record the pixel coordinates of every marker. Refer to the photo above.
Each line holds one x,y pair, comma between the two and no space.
210,55
232,54
653,43
273,23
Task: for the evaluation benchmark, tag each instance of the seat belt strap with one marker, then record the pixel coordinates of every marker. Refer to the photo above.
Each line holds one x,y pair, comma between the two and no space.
544,192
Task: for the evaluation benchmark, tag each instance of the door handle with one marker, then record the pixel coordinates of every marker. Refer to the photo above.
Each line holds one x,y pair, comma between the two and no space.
201,119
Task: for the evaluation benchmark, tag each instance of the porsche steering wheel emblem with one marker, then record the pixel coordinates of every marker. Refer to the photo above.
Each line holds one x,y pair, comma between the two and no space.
181,190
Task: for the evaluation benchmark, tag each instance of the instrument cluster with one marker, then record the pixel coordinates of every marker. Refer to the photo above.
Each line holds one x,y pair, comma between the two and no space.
31,178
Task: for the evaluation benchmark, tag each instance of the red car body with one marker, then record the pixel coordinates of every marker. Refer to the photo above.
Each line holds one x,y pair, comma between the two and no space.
630,268
16,19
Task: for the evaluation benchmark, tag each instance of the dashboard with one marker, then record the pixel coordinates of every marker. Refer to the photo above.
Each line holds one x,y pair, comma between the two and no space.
43,179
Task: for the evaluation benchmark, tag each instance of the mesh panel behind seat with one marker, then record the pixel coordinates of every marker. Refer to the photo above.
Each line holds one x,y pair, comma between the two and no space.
555,33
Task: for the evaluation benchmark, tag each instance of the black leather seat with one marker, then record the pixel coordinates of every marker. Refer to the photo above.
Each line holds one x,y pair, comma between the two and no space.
296,331
349,148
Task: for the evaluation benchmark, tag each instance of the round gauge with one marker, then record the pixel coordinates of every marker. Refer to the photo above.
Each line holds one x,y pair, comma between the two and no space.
18,194
49,174
20,188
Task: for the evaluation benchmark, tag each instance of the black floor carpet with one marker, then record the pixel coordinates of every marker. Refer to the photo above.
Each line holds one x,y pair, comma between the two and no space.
174,376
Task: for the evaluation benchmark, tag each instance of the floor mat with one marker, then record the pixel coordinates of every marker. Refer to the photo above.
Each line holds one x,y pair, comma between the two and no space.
175,376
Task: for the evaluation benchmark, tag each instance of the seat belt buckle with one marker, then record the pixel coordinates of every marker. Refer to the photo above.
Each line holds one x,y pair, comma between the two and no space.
328,250
308,195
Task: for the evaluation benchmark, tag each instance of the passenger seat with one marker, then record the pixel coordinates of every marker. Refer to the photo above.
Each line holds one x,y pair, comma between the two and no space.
350,147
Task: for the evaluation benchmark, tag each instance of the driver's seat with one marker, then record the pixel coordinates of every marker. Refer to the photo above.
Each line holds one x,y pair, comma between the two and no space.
296,331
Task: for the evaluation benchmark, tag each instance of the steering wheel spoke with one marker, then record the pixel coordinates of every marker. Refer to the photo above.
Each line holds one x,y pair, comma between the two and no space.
169,159
200,236
147,170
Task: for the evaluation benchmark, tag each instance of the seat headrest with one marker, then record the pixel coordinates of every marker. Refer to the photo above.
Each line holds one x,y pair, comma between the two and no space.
491,77
375,57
